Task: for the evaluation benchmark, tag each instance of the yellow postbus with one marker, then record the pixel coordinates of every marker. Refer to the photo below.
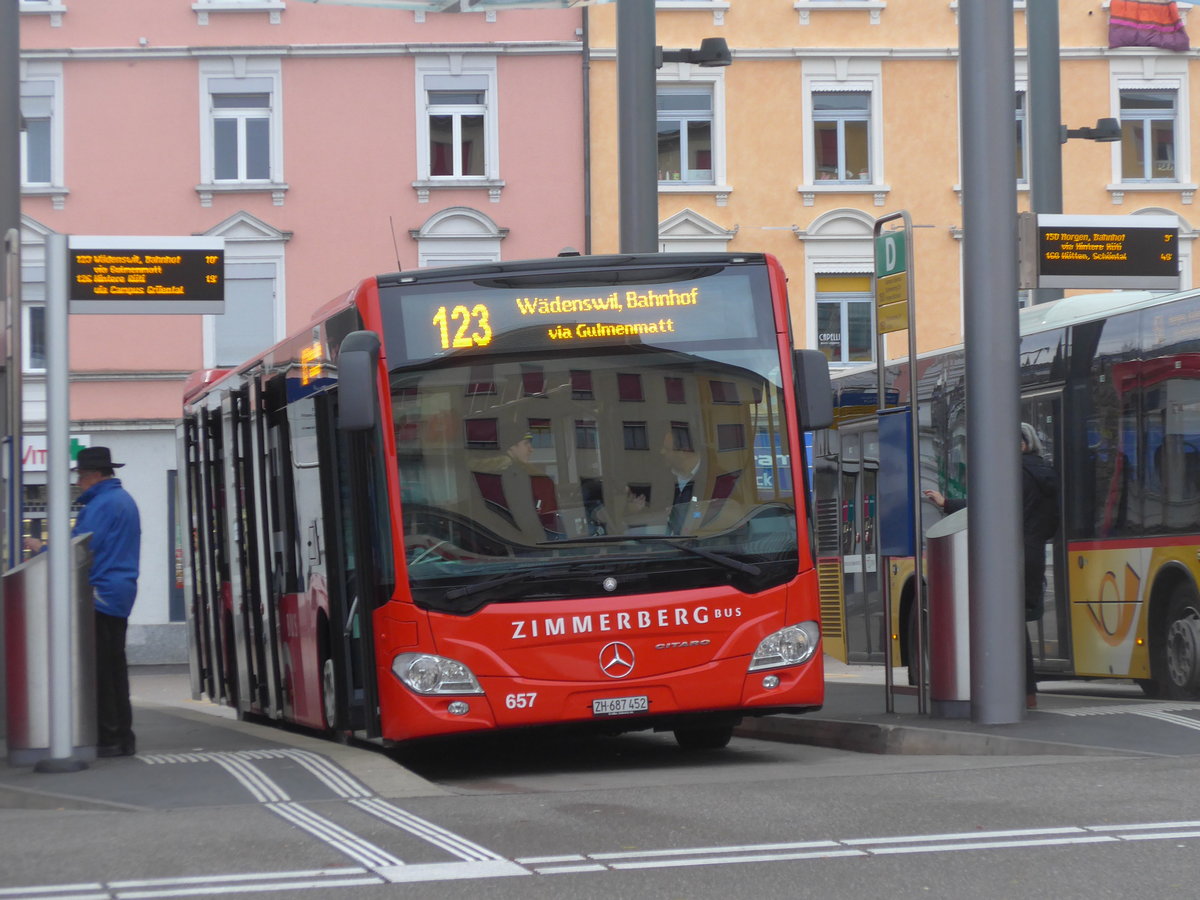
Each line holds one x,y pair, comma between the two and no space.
1111,383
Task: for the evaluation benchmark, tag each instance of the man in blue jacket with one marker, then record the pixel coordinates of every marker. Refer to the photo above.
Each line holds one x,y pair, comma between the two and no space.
111,516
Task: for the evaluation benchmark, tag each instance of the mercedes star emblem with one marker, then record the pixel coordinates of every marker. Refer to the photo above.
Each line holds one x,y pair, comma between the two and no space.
616,660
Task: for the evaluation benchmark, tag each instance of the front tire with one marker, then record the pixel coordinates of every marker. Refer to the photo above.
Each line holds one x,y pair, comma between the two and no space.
712,737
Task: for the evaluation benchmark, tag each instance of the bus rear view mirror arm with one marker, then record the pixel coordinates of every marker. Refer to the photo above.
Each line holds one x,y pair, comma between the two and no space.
357,367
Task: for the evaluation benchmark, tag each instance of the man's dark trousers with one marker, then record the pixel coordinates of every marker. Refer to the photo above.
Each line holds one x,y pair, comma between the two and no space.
114,712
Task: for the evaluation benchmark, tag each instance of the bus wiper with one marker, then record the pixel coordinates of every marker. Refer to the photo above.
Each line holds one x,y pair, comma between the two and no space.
470,590
675,540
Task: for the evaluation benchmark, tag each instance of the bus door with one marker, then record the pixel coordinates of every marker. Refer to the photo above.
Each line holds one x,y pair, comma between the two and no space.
1051,633
865,628
247,576
357,523
240,674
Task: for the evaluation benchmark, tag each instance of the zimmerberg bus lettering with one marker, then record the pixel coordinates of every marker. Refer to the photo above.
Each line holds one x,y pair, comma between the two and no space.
604,623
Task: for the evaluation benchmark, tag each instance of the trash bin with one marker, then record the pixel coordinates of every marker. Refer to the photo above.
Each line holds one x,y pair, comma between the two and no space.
949,617
27,667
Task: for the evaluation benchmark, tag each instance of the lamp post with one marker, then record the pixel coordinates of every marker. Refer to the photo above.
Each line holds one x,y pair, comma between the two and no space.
1047,134
637,152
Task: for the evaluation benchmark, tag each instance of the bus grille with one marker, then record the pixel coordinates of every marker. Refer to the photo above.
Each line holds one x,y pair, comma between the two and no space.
829,586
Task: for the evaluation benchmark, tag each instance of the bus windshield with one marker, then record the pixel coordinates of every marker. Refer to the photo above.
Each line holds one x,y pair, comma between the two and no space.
624,470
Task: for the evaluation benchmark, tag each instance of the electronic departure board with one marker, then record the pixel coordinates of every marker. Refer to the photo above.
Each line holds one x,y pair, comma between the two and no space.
147,274
710,307
1105,252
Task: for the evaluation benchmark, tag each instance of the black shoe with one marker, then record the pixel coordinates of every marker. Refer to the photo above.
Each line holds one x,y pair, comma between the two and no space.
106,751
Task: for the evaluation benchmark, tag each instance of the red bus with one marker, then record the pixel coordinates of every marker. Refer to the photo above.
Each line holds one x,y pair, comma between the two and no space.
561,491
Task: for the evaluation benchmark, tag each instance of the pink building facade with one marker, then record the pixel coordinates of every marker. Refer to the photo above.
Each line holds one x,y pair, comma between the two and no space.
323,143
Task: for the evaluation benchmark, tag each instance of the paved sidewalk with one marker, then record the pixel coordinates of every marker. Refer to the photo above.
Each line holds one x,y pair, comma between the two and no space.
1100,717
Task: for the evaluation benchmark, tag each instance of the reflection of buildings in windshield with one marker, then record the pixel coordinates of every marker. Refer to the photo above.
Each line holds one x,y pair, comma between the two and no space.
573,448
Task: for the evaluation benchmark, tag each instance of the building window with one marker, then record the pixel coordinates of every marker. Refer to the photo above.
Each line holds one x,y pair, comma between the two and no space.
41,140
456,133
482,434
681,436
457,137
242,136
674,389
845,318
241,126
685,134
581,385
1022,132
629,387
37,100
1148,128
34,339
255,288
841,122
585,434
637,437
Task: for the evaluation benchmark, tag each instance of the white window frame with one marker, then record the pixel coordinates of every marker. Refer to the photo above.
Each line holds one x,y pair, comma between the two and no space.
843,75
250,242
684,75
457,236
805,7
26,335
1154,72
273,8
43,80
839,242
250,75
52,8
1175,122
450,72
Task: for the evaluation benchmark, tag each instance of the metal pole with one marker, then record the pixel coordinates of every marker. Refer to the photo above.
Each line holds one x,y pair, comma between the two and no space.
986,75
58,509
1045,117
637,126
10,275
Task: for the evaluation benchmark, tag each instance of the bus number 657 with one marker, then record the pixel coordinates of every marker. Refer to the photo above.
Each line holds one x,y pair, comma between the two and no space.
520,701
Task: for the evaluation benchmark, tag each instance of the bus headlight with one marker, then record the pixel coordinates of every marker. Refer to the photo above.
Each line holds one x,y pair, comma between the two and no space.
787,647
429,674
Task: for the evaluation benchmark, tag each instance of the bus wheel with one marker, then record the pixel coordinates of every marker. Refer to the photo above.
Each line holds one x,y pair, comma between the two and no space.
329,692
1181,646
712,737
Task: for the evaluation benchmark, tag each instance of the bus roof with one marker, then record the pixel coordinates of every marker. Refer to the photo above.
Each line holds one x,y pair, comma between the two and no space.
1085,307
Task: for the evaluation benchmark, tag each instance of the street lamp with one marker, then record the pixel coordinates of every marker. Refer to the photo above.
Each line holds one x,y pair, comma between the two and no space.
1106,131
713,52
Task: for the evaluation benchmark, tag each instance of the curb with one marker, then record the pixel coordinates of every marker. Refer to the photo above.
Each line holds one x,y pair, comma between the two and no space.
874,737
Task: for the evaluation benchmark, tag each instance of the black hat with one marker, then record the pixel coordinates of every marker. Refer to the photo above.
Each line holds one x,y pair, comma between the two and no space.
95,458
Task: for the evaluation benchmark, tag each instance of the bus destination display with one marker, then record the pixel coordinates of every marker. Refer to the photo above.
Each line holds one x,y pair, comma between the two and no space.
1107,252
464,318
156,274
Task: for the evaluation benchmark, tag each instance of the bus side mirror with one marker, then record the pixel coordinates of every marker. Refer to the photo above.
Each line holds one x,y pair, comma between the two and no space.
814,390
357,369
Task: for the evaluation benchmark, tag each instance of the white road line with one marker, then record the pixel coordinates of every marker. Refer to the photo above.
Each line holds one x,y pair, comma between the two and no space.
335,836
1123,708
209,891
332,776
567,864
262,788
1172,718
449,841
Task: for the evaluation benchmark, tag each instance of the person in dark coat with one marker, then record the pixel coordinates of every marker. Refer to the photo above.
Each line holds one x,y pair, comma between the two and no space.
1039,522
